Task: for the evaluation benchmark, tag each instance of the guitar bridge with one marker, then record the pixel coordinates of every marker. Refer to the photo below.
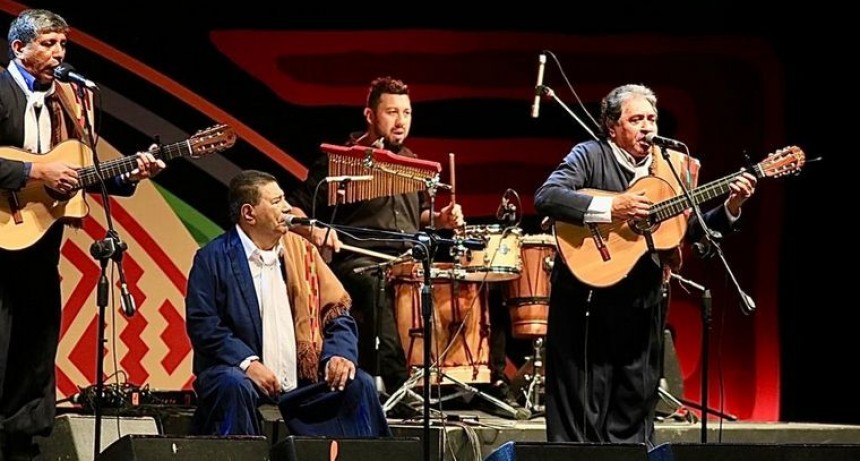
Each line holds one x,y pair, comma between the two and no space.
15,207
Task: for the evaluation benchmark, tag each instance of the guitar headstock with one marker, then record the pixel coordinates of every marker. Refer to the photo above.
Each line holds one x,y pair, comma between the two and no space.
788,160
211,140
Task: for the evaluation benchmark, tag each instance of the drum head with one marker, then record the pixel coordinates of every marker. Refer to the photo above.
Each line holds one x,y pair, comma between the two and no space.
538,240
491,274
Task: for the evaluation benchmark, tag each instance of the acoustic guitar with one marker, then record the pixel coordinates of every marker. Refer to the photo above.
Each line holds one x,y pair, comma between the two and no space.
601,255
26,214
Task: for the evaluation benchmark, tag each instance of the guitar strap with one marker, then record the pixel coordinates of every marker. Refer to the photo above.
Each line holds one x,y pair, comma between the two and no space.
686,166
688,170
70,108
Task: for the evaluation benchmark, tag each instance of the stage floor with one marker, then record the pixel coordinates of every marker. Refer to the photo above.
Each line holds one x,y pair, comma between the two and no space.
477,434
471,435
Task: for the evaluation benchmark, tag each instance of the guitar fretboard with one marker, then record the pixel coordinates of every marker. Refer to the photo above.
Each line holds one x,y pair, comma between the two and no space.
112,168
676,205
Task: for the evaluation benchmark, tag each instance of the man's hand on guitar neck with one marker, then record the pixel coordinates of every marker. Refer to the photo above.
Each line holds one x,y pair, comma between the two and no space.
147,165
630,205
59,176
742,187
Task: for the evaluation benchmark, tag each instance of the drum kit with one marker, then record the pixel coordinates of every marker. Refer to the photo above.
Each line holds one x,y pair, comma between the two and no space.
521,265
460,325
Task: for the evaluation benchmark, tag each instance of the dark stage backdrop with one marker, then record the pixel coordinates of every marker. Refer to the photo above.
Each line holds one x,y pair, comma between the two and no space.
730,84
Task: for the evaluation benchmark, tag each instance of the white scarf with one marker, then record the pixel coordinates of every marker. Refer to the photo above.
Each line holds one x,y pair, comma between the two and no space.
639,168
37,128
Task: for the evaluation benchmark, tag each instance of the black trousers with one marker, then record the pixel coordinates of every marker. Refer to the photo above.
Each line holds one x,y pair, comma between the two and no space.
30,312
603,367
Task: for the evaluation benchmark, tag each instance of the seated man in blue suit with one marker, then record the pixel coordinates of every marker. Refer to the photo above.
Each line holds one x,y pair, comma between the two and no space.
266,316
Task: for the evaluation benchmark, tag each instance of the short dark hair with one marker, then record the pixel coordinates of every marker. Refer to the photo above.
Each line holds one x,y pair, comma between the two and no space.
384,85
30,23
245,188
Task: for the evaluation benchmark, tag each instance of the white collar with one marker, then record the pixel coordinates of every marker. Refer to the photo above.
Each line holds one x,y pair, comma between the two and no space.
251,248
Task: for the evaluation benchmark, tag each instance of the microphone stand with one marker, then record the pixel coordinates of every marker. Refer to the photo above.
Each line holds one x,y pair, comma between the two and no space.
711,243
425,251
341,196
544,90
748,307
109,248
706,329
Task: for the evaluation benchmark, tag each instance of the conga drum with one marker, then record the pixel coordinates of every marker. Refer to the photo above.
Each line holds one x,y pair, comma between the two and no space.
528,297
461,322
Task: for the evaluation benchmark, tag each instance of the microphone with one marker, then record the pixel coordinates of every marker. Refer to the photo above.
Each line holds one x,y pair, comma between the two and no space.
502,210
77,399
348,178
293,220
652,138
65,72
538,86
474,244
126,300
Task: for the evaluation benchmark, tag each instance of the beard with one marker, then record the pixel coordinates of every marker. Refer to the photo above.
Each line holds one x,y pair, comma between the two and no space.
394,147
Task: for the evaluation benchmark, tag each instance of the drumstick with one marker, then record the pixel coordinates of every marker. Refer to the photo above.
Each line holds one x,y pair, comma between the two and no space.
453,185
368,252
453,177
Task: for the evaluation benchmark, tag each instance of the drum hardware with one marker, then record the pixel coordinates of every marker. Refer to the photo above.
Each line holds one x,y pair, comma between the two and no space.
529,382
467,391
458,333
535,388
548,263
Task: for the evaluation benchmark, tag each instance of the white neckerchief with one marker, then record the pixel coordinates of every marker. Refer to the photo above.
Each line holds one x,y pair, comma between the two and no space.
279,336
37,129
628,162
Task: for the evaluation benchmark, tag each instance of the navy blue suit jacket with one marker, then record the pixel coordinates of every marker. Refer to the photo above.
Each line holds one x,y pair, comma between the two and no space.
223,314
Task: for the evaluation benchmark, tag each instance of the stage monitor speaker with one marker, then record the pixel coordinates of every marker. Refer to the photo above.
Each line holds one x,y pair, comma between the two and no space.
186,448
73,436
295,448
550,451
754,452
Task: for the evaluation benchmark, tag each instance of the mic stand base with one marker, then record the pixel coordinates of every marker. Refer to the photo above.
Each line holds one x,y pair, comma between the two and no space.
709,410
677,405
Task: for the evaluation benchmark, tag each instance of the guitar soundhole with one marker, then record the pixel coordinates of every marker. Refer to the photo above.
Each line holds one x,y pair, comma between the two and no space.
641,226
57,195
